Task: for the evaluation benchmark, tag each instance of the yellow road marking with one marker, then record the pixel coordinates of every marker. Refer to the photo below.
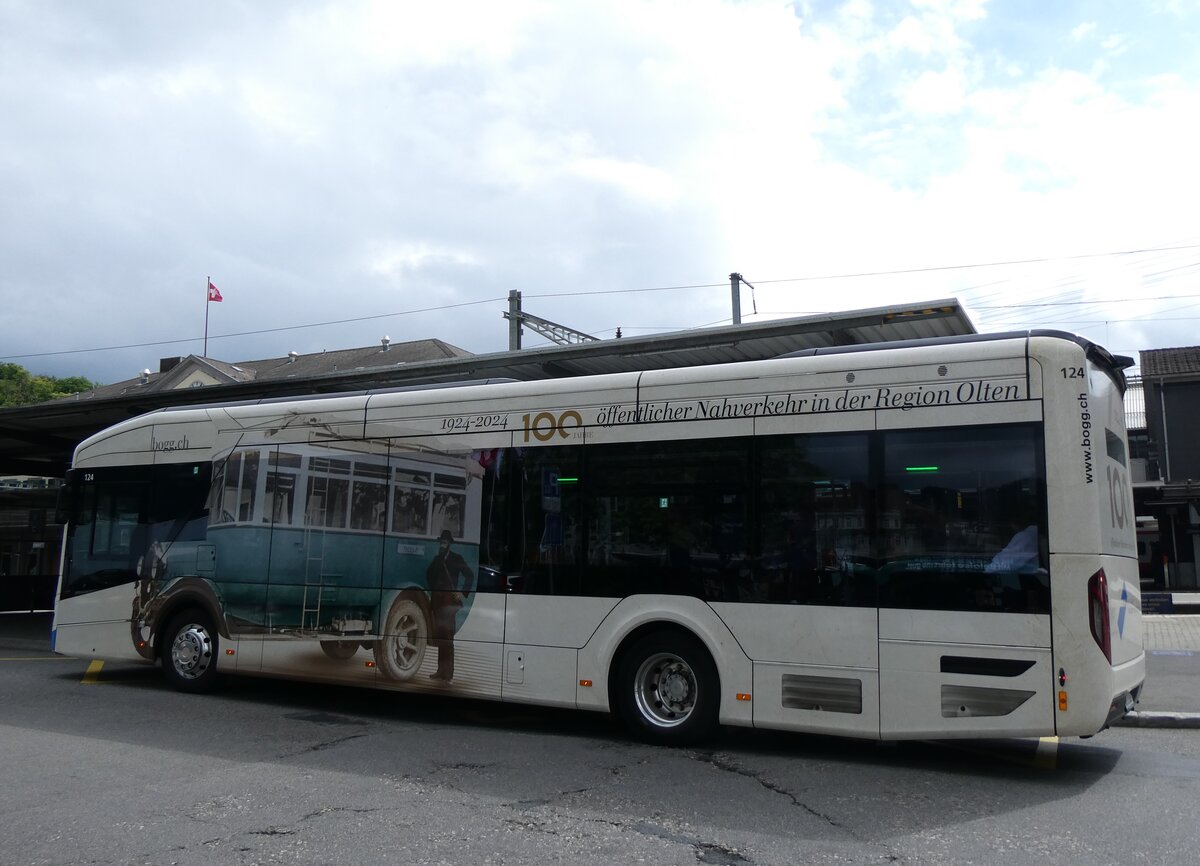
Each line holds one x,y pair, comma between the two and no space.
1046,757
93,673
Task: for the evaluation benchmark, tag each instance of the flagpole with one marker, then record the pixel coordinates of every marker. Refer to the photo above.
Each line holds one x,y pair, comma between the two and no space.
207,304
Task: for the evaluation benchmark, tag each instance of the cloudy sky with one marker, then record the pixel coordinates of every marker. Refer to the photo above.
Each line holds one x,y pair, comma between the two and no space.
349,170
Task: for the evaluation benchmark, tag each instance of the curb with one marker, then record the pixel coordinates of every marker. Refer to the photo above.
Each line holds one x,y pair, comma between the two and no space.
1150,719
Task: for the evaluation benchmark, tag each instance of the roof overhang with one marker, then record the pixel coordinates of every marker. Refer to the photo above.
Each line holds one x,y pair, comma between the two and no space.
39,440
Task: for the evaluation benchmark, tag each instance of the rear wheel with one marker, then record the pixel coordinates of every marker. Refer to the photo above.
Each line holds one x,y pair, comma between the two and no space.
189,651
667,689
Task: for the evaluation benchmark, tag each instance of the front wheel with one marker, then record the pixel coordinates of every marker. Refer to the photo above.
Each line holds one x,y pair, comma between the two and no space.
667,690
405,636
189,652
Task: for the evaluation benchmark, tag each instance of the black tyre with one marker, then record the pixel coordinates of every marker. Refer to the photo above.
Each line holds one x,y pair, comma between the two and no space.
340,650
666,689
189,651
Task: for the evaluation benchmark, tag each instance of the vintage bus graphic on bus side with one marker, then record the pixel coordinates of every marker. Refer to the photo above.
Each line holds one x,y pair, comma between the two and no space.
330,543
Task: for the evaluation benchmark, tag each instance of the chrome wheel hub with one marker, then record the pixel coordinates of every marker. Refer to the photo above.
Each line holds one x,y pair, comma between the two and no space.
665,690
192,651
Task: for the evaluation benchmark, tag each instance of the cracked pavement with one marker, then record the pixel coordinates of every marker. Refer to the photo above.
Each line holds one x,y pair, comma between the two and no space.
274,773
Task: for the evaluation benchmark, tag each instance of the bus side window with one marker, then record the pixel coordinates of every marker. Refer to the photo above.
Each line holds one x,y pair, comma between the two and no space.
368,496
668,520
963,511
410,503
551,533
179,509
283,467
815,539
497,518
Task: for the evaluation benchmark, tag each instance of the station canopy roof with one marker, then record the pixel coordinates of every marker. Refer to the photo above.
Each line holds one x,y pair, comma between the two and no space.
39,440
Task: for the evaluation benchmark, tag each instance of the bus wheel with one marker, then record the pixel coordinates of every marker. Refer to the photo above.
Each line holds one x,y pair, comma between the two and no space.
667,690
189,652
406,634
340,650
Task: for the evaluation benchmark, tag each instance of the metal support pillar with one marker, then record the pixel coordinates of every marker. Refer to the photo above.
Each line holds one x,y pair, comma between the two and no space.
514,320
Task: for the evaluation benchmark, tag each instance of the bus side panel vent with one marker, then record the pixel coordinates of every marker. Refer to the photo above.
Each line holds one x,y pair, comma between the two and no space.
958,701
985,667
827,694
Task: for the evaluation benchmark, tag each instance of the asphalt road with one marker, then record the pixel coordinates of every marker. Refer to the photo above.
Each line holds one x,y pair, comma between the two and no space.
113,767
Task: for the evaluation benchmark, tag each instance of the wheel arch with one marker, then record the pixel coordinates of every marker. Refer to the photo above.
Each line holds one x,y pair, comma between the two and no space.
417,593
662,626
184,593
636,616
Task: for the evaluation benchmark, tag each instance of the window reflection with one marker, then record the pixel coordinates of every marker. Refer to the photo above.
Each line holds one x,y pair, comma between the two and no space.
816,538
962,522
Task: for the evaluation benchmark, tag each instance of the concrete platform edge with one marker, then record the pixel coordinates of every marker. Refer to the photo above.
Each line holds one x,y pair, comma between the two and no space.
1153,719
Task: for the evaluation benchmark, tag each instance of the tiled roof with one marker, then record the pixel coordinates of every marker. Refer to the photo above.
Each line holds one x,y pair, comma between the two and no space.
350,360
298,366
1170,362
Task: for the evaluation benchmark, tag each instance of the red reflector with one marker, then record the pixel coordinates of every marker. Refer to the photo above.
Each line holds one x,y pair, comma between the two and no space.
1098,613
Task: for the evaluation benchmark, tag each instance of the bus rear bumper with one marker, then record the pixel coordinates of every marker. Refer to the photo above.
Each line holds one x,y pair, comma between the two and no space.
1128,679
1123,704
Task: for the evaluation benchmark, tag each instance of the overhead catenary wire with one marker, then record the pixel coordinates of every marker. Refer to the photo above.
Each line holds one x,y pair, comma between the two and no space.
693,286
260,331
1086,301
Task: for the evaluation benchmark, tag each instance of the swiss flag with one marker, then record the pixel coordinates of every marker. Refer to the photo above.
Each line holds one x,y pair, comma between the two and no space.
214,294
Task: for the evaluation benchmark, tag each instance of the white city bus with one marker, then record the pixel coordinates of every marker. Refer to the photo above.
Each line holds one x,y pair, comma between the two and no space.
925,539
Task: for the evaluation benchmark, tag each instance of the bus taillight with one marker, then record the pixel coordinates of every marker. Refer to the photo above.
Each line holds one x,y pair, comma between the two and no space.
1098,612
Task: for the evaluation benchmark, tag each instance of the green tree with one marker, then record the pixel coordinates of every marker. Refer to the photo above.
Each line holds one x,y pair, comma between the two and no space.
19,387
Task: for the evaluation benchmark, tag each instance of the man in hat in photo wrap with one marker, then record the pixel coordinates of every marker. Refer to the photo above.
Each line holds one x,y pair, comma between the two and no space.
443,576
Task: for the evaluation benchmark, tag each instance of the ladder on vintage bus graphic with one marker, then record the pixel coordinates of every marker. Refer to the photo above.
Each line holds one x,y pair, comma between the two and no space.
314,560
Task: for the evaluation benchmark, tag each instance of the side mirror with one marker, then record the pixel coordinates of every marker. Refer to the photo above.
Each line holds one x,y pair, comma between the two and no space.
63,503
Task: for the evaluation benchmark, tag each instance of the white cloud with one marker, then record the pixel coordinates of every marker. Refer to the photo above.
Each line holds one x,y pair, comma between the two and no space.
911,34
456,151
937,92
392,258
959,10
1115,44
280,113
1082,31
362,39
638,182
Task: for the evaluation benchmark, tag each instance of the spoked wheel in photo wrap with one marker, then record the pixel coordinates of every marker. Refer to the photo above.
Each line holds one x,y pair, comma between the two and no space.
401,650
